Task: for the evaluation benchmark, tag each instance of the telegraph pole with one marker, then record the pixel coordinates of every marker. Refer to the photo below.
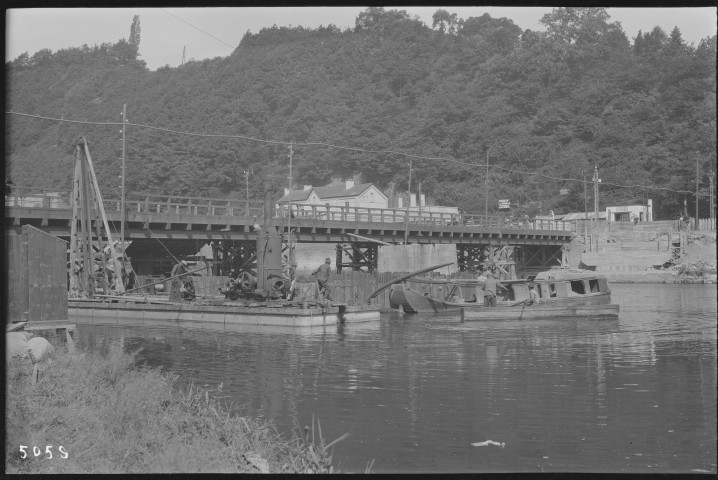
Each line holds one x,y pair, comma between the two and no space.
289,217
122,201
486,189
596,181
697,180
585,197
712,212
246,184
408,204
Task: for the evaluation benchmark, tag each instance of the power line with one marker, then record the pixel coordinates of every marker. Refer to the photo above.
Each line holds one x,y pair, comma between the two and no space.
197,28
342,147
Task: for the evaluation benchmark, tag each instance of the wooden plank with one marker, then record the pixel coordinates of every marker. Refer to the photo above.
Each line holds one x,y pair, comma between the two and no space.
47,276
49,325
17,289
14,327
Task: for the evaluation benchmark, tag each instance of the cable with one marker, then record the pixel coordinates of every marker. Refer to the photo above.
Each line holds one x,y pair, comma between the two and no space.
197,28
352,149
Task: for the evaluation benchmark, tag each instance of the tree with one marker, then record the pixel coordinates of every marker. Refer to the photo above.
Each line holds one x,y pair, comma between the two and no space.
444,20
135,32
578,26
501,34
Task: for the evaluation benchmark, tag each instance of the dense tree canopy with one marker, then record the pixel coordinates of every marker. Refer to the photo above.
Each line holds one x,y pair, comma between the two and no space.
544,107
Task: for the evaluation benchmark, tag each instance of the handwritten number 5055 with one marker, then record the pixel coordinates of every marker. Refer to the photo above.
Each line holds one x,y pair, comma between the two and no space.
48,451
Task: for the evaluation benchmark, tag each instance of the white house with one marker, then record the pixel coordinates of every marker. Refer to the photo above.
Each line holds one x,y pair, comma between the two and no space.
631,213
345,194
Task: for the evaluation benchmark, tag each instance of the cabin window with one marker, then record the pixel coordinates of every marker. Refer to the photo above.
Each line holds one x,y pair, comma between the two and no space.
593,285
577,286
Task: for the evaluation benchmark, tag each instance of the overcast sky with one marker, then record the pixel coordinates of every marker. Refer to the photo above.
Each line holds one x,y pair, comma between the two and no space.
215,32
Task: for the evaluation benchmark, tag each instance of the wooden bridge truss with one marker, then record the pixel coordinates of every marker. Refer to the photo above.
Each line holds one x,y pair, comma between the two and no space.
361,256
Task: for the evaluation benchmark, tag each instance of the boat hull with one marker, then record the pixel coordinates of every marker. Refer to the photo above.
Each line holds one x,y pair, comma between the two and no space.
229,316
412,301
541,311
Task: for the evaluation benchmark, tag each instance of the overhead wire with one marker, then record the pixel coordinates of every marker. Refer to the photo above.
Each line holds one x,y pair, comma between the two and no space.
197,28
346,148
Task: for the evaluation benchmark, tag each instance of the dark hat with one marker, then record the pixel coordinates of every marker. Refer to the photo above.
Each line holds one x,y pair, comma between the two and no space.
328,260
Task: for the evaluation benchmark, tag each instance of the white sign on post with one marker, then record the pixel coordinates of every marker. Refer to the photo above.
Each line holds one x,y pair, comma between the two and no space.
504,204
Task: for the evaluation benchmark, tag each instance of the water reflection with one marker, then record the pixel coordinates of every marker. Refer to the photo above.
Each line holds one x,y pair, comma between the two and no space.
636,394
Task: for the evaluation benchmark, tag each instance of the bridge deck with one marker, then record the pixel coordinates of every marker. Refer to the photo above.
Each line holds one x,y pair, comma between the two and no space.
172,217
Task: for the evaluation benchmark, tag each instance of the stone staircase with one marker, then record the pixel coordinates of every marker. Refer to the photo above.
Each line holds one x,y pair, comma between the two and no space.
628,256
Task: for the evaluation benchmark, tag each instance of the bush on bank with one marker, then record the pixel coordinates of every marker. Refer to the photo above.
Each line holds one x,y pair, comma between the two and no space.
111,416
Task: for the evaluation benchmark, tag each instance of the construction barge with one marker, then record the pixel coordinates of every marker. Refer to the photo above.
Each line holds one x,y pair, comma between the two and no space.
197,314
259,291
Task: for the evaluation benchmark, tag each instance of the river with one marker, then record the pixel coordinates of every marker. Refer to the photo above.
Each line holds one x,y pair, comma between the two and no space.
632,395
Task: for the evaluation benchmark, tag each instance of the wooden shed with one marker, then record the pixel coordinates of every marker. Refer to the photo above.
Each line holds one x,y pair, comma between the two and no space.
36,276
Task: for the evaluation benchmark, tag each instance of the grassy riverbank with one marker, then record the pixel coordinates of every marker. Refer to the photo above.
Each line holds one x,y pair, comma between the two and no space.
112,417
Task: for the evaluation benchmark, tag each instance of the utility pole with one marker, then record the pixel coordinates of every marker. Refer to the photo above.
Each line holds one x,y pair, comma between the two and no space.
408,204
418,199
246,184
585,197
122,201
697,180
289,217
596,181
710,188
486,189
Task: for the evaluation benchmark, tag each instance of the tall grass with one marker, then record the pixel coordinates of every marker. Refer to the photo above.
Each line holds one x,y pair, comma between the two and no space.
112,416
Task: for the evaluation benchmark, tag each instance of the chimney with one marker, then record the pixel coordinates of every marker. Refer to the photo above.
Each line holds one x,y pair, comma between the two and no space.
349,184
286,191
307,187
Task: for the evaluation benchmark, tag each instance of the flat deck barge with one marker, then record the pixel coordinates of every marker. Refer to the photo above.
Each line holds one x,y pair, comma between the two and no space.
213,313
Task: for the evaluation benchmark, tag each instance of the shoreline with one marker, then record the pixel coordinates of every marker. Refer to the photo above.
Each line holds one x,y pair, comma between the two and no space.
660,278
112,416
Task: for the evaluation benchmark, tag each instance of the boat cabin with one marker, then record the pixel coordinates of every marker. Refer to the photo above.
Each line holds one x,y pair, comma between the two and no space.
561,286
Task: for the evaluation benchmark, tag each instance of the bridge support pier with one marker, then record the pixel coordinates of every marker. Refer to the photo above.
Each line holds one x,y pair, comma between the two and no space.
361,256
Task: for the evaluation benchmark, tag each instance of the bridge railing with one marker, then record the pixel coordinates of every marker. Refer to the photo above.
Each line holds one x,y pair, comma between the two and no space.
414,217
140,203
182,205
199,206
37,198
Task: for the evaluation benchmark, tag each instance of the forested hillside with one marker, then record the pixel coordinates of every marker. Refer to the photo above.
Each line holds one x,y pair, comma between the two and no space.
553,103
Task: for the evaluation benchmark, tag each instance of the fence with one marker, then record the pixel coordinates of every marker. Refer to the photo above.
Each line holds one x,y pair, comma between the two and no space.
198,206
37,270
707,224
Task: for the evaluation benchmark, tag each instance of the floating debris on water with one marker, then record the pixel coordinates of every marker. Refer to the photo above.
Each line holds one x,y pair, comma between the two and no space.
487,443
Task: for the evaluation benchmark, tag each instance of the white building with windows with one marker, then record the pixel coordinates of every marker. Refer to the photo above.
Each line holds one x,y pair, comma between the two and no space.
344,194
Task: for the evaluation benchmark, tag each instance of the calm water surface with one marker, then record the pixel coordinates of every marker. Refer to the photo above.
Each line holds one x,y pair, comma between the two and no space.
637,394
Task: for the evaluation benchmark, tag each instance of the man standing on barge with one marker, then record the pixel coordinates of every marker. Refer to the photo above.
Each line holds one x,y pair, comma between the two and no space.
490,288
323,272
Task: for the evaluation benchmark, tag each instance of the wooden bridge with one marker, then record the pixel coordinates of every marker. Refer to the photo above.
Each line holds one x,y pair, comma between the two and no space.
186,223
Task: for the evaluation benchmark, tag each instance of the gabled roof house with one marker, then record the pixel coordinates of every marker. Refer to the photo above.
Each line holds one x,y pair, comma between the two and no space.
337,194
